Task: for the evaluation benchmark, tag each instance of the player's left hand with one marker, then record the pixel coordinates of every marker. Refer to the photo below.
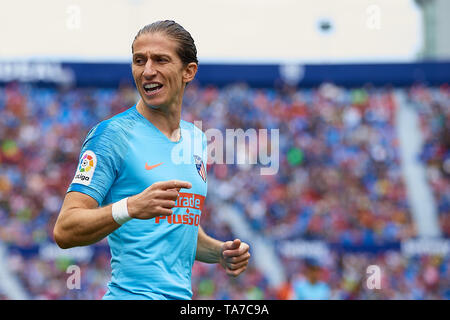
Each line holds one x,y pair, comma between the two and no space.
234,257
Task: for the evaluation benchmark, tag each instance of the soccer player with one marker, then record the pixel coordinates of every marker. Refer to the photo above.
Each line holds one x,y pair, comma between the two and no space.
131,186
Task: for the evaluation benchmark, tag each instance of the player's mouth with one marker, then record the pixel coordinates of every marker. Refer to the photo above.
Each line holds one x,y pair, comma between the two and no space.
152,88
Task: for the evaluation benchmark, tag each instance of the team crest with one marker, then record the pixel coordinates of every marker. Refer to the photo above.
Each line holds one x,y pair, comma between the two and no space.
200,167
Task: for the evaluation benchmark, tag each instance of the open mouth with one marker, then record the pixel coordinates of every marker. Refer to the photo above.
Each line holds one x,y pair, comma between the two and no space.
152,88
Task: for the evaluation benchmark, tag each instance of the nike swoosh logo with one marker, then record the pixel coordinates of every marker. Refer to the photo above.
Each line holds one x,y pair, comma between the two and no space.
147,167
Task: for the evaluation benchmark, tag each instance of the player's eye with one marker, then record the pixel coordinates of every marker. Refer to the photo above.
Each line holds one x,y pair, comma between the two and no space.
162,60
138,61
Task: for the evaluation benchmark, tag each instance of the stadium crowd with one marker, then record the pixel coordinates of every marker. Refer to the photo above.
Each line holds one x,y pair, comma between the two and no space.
433,106
339,181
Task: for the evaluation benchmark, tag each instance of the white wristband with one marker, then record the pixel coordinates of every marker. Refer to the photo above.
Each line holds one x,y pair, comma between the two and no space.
120,211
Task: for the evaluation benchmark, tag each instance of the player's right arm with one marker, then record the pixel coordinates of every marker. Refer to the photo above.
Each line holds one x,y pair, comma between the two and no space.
81,222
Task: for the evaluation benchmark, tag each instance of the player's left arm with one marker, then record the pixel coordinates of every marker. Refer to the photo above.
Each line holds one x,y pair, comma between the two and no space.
233,256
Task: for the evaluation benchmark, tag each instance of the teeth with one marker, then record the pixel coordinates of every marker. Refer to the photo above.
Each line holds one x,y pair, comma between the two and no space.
151,85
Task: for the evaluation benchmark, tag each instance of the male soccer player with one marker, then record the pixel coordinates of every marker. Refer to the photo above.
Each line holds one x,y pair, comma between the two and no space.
132,187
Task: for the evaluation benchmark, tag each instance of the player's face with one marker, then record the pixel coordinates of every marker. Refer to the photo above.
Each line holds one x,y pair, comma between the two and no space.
158,72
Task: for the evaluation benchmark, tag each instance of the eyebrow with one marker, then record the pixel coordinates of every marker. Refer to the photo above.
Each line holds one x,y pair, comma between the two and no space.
158,55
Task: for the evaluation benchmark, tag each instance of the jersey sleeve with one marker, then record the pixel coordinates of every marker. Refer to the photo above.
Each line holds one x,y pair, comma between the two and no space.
101,158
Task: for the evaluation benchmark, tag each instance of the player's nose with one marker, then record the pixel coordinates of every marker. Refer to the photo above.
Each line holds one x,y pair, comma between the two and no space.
149,70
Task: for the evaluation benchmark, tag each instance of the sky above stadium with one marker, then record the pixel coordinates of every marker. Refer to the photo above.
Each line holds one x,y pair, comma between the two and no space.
224,31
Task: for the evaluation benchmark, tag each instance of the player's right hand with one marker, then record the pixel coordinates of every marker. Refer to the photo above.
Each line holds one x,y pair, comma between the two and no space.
156,200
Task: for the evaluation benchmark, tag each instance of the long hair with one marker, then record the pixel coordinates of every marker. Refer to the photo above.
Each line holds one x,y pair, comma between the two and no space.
186,49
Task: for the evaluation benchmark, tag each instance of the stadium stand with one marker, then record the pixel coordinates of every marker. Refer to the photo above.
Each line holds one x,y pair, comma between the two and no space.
339,182
434,112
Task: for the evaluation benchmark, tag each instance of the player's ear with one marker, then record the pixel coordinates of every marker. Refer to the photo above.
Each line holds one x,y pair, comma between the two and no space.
189,72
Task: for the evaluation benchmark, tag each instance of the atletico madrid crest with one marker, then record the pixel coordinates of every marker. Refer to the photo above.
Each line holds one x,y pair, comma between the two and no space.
200,167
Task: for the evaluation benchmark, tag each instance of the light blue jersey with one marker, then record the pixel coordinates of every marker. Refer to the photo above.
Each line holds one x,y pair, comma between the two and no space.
122,156
304,290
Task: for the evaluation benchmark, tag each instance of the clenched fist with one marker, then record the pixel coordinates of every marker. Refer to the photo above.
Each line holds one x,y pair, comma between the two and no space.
235,256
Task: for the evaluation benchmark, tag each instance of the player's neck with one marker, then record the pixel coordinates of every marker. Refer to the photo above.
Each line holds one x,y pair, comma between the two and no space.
167,120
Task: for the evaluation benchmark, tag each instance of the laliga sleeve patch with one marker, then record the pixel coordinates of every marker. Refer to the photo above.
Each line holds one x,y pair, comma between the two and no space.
86,168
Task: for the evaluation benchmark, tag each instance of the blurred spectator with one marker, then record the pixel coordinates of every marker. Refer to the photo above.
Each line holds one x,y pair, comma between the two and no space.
310,285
